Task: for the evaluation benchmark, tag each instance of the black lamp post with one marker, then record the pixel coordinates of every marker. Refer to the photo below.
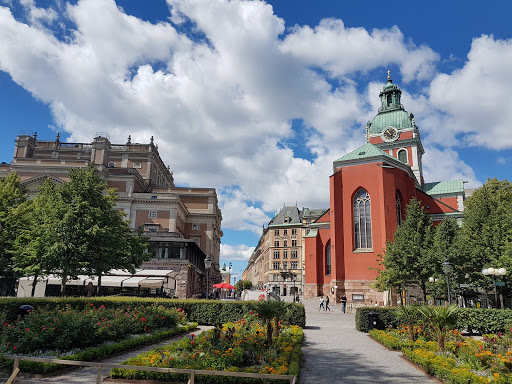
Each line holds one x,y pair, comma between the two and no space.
447,268
207,265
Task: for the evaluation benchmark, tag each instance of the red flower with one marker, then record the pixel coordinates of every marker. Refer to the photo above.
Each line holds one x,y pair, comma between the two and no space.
28,329
14,347
143,319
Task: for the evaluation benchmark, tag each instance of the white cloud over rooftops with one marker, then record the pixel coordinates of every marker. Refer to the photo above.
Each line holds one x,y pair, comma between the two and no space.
218,107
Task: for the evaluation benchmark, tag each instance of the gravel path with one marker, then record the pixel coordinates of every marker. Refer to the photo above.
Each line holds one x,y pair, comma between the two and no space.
334,352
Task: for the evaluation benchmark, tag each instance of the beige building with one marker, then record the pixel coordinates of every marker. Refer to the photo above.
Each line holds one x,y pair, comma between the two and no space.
183,224
277,263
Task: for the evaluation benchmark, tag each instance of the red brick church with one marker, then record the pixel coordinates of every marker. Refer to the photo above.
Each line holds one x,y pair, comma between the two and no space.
369,190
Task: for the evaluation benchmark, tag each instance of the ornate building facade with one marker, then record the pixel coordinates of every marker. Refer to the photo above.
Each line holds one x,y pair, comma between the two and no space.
277,263
369,190
183,224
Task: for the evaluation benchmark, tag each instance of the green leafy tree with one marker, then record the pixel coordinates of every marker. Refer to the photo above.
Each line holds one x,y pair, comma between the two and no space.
486,234
406,258
445,247
12,195
243,284
76,230
270,310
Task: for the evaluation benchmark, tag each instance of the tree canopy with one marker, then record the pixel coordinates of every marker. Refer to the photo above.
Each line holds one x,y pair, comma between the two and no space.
75,229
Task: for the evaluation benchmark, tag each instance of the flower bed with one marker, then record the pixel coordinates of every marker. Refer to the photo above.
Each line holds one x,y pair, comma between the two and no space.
87,334
236,347
464,360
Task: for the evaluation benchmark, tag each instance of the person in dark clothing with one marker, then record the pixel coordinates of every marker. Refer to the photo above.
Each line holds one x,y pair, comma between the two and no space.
343,303
327,303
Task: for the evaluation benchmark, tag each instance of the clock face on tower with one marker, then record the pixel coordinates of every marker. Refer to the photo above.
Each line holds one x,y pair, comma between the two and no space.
390,134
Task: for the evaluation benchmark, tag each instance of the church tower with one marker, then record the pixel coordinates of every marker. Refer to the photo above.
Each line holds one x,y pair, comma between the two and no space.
394,131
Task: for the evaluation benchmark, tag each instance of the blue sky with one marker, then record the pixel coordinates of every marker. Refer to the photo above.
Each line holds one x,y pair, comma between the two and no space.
257,99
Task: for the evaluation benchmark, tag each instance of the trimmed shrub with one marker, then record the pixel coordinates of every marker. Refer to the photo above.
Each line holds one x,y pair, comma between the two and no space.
206,312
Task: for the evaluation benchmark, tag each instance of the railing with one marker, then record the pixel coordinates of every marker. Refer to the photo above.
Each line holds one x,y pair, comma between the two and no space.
99,378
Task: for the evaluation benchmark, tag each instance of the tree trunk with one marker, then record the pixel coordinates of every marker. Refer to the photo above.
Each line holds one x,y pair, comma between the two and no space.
34,285
410,330
269,332
276,327
440,341
99,285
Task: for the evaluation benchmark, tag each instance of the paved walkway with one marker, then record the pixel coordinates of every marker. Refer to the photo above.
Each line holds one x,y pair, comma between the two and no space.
334,352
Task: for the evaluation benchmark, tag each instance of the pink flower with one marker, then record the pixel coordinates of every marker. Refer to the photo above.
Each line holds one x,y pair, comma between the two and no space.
28,329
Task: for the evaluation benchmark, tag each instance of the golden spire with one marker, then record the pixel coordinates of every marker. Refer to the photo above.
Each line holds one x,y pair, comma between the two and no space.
389,77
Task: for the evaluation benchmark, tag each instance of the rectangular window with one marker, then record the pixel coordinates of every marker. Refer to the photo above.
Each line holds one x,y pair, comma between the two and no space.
276,232
152,214
285,265
154,197
294,254
277,265
294,231
294,243
285,243
285,231
195,227
293,265
276,243
285,254
276,255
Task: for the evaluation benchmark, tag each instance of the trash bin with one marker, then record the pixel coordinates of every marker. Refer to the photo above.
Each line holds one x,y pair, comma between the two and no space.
373,317
24,309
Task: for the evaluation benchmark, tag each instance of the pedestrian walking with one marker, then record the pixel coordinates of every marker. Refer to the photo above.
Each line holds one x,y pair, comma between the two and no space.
321,303
327,303
343,303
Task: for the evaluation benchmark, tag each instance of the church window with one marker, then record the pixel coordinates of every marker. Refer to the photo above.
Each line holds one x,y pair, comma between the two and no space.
362,220
402,156
398,209
328,258
389,100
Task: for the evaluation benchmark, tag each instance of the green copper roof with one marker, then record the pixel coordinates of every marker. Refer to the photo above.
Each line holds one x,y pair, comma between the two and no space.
444,187
397,118
367,150
391,112
312,233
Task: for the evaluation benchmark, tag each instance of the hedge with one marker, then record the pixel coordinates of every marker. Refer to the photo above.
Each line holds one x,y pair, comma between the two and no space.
205,312
471,320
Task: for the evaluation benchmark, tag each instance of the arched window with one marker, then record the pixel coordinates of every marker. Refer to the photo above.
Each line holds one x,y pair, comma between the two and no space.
389,100
362,220
398,209
328,258
402,156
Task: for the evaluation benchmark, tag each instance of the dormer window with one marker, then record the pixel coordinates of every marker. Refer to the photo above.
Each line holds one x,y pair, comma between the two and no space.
111,165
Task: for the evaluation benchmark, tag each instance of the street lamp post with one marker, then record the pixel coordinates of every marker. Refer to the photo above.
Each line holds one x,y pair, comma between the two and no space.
494,272
207,265
447,268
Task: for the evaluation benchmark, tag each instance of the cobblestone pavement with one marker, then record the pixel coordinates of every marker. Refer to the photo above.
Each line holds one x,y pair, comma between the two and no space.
334,352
